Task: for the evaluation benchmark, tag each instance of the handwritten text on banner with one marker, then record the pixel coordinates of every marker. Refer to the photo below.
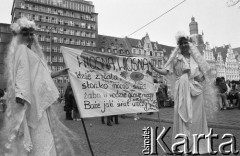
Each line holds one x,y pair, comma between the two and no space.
106,84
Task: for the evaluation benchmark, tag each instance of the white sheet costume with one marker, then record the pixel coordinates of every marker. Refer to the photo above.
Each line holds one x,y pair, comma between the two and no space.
32,129
190,100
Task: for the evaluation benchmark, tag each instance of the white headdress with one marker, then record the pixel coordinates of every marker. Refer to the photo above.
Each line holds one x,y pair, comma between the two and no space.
179,35
22,23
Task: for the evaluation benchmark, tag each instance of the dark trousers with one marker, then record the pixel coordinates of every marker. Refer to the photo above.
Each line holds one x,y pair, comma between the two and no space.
110,118
115,117
235,96
69,115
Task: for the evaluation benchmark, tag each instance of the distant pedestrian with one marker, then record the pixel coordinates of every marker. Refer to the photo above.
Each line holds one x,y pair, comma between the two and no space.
68,104
4,99
109,119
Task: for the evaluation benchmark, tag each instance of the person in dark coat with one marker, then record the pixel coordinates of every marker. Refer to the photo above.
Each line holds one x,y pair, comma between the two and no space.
222,89
68,104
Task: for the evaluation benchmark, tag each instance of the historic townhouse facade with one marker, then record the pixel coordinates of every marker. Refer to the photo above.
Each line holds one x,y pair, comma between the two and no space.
157,53
70,23
220,66
231,65
209,57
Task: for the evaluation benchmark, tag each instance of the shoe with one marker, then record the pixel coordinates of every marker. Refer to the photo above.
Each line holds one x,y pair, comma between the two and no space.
116,123
150,113
109,124
135,119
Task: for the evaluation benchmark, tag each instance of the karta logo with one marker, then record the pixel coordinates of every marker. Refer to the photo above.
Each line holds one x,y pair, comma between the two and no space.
153,140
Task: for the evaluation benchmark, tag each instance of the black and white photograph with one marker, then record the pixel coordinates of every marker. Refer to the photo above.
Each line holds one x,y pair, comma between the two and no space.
119,77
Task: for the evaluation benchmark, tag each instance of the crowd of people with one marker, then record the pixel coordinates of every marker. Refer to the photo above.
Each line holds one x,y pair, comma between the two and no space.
228,93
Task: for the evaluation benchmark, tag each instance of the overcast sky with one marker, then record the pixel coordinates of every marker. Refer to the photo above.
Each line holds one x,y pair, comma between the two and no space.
219,23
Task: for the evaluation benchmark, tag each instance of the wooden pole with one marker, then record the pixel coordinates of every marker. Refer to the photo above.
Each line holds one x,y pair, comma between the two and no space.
85,130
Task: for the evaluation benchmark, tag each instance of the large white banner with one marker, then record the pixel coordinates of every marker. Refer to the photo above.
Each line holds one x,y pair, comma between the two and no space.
106,84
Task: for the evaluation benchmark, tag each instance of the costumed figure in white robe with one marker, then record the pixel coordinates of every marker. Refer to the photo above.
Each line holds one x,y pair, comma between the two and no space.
193,91
31,128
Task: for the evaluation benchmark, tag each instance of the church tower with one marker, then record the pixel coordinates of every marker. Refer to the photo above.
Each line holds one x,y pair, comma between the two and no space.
195,37
193,26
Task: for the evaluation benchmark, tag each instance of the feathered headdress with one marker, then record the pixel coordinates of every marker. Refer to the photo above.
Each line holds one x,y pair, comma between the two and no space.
22,23
179,35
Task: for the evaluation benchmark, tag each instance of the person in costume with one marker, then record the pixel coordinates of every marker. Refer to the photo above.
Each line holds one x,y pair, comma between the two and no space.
31,128
189,75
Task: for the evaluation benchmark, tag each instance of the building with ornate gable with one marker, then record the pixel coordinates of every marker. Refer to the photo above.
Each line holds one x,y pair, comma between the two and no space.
157,53
231,65
220,66
209,57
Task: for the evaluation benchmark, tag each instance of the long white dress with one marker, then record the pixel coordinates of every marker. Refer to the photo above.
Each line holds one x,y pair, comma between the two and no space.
34,84
189,113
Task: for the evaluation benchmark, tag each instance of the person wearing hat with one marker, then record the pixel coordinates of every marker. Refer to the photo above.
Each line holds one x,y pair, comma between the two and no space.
31,126
187,70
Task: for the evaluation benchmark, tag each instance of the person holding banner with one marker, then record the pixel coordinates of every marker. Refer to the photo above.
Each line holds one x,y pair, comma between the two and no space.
31,127
189,76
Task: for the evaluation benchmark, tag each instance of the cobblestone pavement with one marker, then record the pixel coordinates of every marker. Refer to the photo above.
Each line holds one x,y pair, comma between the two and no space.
126,138
228,119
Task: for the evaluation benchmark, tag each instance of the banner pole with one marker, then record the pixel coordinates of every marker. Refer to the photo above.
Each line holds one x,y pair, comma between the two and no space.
85,130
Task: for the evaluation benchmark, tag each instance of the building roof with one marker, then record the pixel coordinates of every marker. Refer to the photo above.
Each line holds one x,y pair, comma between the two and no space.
236,51
132,42
223,50
112,42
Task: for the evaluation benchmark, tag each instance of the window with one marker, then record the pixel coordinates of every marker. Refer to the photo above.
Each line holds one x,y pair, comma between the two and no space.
54,59
48,59
54,68
83,42
71,32
60,59
83,33
83,25
60,40
78,42
36,18
22,5
42,38
87,43
71,41
93,35
78,33
134,51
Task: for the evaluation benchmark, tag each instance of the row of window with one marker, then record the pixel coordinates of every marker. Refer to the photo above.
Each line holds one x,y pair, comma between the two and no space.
59,21
48,49
56,68
67,4
56,59
115,51
57,12
67,41
66,31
